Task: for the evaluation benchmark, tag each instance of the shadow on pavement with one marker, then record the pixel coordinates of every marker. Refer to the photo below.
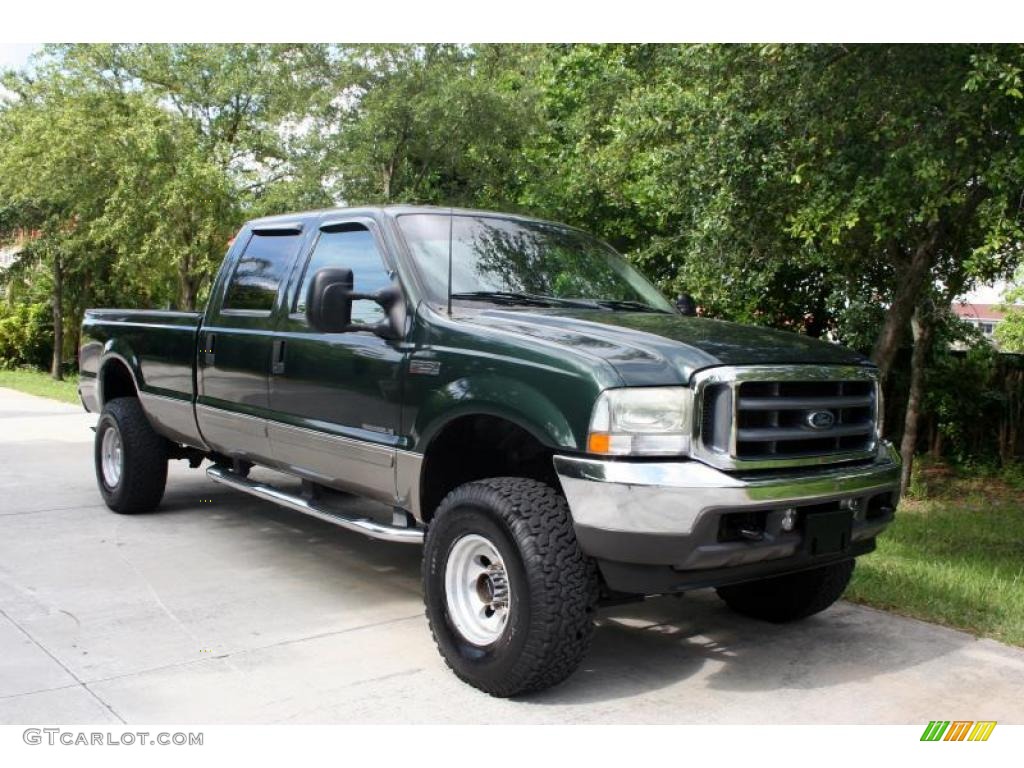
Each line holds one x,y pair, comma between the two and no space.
639,647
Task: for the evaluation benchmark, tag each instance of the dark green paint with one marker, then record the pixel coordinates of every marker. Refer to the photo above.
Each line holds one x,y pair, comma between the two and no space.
158,347
540,368
649,349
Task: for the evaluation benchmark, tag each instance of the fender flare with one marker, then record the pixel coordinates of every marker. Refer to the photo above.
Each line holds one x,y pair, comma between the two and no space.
117,351
512,400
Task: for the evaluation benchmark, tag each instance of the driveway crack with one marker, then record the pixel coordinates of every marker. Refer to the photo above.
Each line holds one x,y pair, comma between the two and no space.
63,666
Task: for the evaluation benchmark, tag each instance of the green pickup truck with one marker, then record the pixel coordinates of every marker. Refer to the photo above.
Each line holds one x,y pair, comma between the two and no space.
518,400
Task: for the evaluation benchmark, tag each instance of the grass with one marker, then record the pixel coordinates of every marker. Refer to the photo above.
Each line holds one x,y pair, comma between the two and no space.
953,557
39,383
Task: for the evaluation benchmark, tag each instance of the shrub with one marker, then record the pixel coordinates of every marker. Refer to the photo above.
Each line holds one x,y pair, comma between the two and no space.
26,335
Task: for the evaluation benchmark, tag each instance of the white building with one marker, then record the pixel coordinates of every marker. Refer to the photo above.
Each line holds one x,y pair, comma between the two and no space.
7,257
984,317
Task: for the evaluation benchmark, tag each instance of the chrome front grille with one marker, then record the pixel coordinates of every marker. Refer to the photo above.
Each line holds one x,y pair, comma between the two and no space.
777,416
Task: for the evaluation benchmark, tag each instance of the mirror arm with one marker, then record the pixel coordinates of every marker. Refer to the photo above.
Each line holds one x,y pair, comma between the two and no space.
357,296
385,329
385,297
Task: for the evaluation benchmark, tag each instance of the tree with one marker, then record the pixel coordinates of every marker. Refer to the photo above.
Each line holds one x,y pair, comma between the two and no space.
922,326
1010,332
431,124
799,186
54,181
221,149
675,154
912,157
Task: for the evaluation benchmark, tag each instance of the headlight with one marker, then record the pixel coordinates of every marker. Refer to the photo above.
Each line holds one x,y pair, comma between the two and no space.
653,421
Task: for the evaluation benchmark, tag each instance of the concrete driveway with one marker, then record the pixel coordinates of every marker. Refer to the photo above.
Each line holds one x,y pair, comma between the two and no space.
222,608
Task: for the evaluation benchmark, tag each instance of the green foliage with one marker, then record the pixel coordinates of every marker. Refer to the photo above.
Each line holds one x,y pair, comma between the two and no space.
54,178
26,335
1012,473
432,123
790,185
1010,332
207,142
963,393
778,183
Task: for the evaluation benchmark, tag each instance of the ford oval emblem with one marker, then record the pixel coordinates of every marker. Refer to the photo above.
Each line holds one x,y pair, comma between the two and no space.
820,419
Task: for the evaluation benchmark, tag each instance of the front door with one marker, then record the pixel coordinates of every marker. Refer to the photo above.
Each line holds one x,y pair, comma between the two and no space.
236,342
335,397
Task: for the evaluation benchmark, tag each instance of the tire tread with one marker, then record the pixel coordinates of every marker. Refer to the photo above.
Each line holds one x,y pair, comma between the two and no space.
564,581
144,475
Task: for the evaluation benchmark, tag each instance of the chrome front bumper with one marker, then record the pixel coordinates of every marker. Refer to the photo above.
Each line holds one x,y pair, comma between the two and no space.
670,513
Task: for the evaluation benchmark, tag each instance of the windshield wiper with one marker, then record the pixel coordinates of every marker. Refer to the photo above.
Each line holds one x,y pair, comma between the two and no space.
509,297
537,300
628,304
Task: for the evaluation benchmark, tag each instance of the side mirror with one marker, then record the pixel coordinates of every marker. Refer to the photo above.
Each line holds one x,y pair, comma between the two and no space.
329,305
686,305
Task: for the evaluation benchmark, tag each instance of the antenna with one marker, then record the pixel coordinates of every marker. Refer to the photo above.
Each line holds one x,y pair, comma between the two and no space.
451,225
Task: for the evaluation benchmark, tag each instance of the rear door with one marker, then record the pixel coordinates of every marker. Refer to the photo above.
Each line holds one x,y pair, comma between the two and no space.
335,397
235,343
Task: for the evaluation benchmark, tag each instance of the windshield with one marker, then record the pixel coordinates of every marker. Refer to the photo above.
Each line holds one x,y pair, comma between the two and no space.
523,262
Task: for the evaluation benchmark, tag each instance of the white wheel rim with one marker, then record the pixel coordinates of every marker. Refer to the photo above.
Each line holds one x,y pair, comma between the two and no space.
111,457
477,590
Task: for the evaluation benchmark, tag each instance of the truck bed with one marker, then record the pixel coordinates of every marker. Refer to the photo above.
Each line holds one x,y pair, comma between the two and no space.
159,349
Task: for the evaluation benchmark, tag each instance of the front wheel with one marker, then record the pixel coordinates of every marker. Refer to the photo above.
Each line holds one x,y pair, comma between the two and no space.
790,597
509,595
131,458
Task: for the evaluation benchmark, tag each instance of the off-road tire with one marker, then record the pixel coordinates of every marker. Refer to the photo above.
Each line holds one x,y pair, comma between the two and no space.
144,466
790,597
554,586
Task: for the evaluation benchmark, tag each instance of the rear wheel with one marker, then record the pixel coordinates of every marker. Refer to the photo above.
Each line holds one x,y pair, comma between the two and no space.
509,595
790,597
131,458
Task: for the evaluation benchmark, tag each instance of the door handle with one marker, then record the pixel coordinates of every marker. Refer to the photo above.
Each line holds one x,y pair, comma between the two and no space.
208,348
277,358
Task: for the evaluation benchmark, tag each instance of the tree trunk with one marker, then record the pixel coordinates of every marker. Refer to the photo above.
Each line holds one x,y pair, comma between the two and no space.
386,185
1013,386
936,442
921,323
57,300
913,274
911,281
75,336
188,299
186,286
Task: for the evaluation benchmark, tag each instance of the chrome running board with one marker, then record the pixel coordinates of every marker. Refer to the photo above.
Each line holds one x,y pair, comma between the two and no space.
363,525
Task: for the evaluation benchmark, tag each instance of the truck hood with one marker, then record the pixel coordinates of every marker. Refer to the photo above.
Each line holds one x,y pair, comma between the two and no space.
648,349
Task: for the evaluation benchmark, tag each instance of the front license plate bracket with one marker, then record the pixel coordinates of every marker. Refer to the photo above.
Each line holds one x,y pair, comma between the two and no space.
827,533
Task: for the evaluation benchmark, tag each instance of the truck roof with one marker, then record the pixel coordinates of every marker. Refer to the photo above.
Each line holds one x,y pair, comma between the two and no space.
389,211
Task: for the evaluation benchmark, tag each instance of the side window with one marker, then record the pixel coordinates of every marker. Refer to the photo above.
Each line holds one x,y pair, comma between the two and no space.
260,271
355,248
